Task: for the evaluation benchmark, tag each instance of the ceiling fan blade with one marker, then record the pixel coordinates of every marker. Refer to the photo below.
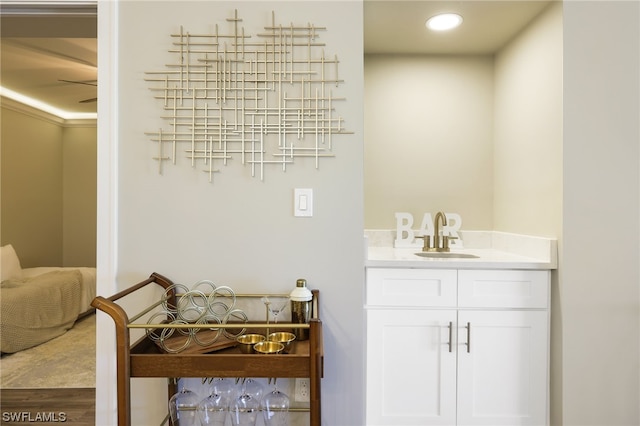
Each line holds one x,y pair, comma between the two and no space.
87,83
55,51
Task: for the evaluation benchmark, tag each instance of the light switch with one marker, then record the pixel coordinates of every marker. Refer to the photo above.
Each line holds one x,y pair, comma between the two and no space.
303,202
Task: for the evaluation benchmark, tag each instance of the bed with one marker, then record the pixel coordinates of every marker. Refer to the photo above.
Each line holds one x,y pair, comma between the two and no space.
39,304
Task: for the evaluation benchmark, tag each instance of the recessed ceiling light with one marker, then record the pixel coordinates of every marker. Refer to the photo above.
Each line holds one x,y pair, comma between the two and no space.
444,21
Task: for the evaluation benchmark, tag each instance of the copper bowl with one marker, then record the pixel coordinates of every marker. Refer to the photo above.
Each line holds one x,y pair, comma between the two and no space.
268,347
283,337
247,341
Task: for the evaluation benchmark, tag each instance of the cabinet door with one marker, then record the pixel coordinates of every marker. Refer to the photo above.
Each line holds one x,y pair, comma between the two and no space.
410,371
503,373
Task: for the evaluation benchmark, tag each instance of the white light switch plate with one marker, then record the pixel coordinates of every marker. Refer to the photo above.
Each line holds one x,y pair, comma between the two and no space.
303,202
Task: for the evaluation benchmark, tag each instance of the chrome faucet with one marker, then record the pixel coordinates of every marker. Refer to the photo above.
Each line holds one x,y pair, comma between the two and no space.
438,243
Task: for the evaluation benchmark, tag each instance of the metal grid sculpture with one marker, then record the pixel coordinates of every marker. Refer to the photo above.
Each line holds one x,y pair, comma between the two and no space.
264,100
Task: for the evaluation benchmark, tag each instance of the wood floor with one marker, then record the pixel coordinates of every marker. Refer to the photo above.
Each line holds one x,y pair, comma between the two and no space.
70,406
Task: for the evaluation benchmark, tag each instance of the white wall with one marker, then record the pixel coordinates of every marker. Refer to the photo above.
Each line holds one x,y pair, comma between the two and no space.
429,138
528,153
32,188
79,195
238,230
48,187
601,216
528,130
479,135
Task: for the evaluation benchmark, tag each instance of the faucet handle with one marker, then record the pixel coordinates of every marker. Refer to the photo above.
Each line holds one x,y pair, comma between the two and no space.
427,242
445,241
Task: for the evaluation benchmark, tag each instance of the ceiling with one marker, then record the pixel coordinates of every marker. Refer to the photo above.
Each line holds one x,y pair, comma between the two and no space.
398,26
50,53
44,69
44,50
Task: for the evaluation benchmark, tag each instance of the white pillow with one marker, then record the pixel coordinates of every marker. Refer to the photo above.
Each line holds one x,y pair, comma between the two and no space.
10,268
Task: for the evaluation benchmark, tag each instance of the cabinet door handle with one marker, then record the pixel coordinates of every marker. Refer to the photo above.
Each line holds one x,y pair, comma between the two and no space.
450,336
468,327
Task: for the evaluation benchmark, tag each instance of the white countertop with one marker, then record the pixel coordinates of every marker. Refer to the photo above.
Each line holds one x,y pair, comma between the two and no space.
513,252
389,257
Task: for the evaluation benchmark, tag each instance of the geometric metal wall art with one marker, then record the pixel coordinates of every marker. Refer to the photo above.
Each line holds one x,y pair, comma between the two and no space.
262,99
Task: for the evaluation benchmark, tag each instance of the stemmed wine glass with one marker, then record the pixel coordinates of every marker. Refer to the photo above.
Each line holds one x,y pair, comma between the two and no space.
275,407
244,408
213,409
251,387
275,305
182,407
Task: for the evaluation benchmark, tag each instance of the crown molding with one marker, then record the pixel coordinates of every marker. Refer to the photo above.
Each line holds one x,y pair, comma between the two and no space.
49,8
14,105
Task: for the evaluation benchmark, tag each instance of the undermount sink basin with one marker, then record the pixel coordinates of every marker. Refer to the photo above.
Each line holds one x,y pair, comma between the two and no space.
446,255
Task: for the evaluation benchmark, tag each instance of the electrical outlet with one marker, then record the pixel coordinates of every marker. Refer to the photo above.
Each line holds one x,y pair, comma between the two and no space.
303,391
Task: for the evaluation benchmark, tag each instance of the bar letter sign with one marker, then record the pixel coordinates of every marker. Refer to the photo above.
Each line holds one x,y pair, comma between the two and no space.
405,235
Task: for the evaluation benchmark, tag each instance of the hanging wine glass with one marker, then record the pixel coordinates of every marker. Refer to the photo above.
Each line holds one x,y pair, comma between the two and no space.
212,410
182,408
222,386
275,407
245,407
251,387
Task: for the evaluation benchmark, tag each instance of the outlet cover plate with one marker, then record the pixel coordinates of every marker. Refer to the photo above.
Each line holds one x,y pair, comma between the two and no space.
303,390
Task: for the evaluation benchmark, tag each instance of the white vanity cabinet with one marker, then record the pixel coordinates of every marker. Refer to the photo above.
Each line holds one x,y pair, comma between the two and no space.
457,347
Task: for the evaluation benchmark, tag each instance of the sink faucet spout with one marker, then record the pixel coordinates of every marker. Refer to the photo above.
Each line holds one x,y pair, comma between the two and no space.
440,218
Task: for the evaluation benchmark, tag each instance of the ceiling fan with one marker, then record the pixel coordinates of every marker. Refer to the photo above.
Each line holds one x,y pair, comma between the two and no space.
93,83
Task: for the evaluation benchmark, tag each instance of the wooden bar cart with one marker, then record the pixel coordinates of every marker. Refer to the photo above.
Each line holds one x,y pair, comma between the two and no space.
145,359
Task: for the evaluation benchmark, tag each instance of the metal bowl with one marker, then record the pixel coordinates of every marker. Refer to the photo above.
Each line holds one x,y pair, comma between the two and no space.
268,347
283,337
247,341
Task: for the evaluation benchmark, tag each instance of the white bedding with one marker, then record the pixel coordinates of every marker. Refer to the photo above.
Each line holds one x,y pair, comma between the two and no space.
88,281
38,309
